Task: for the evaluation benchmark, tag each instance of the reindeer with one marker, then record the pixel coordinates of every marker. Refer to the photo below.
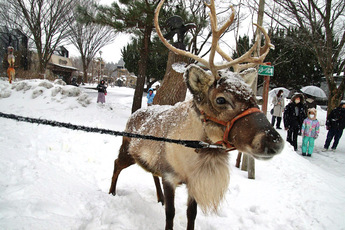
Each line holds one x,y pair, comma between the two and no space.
223,111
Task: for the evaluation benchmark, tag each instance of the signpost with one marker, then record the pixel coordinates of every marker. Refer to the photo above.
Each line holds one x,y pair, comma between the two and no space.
267,71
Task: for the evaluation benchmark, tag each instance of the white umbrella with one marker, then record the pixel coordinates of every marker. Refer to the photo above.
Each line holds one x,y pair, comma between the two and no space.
274,91
314,91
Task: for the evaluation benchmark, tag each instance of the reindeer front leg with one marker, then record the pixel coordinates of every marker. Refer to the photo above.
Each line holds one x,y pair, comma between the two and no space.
169,197
160,196
123,161
191,212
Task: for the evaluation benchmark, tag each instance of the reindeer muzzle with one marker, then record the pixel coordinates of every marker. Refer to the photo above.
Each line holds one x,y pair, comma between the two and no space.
256,136
225,142
265,143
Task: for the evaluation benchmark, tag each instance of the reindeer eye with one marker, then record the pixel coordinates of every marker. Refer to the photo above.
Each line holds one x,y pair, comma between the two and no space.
220,100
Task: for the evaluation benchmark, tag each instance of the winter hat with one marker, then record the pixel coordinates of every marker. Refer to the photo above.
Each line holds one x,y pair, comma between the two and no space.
312,111
298,95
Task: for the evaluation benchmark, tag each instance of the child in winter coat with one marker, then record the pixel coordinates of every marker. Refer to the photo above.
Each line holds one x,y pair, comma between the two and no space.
150,96
310,131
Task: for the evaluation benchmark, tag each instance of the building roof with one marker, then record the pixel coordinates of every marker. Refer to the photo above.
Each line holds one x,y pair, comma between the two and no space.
59,67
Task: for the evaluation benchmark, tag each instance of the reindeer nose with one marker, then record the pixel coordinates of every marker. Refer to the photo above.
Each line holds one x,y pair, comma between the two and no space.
268,144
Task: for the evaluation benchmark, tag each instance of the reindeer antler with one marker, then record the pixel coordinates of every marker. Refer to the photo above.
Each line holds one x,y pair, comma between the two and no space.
245,61
216,33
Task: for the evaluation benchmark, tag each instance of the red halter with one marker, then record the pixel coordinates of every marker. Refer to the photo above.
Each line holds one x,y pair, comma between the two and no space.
229,125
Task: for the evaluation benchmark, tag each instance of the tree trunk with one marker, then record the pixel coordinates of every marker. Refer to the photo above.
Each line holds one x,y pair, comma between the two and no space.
173,88
85,68
335,94
41,67
139,88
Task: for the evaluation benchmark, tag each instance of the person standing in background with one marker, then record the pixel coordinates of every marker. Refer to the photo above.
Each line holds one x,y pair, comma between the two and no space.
278,108
150,96
310,102
102,91
294,115
335,125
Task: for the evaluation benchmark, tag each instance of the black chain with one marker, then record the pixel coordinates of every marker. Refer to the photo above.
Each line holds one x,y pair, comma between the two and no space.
186,143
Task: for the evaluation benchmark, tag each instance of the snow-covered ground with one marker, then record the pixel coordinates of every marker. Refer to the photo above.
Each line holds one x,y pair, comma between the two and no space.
55,178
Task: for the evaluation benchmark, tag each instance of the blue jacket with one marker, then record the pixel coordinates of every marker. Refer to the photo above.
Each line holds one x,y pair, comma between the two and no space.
150,97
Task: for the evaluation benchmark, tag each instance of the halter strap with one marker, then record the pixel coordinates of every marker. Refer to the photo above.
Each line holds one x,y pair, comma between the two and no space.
229,125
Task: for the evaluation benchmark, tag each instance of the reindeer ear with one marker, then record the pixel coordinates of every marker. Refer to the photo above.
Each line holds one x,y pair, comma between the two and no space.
249,76
198,81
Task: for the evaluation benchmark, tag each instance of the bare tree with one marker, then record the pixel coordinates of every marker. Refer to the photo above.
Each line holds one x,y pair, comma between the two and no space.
89,38
323,25
44,21
6,18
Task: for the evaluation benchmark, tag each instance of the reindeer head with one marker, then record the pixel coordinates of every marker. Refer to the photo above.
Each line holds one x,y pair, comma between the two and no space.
223,98
221,101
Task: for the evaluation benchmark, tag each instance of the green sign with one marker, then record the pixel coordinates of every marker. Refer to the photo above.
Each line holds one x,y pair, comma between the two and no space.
266,70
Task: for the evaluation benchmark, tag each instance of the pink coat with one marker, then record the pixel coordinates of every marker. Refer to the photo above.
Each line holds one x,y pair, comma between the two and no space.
310,128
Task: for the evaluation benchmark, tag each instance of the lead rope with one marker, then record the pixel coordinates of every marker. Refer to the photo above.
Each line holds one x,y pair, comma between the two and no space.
186,143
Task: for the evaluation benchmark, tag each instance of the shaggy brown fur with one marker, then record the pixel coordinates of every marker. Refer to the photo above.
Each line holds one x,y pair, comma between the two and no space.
205,172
